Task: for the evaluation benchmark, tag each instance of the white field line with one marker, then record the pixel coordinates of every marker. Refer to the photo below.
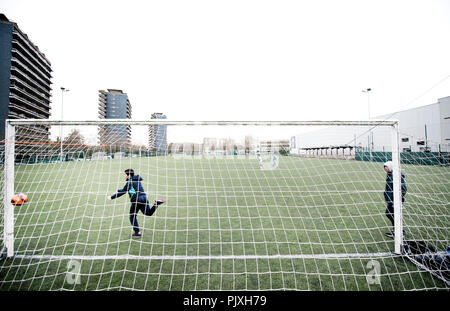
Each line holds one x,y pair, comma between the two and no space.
222,257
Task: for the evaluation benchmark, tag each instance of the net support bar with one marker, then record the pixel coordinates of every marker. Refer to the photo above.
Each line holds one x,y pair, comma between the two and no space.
9,190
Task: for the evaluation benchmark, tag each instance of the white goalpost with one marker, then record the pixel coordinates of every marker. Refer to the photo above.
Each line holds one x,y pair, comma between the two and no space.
8,191
251,205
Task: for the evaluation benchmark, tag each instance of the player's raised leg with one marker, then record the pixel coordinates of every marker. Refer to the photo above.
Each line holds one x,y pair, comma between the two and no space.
149,211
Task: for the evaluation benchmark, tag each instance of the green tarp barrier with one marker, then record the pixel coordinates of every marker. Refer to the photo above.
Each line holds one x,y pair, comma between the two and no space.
418,158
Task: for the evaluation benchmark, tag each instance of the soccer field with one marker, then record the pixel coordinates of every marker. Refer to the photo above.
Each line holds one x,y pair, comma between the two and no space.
309,224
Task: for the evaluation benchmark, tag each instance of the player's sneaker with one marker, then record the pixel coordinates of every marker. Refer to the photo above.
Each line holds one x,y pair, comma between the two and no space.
136,235
160,201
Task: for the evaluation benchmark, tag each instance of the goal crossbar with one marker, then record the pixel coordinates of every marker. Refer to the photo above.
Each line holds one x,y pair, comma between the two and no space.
197,123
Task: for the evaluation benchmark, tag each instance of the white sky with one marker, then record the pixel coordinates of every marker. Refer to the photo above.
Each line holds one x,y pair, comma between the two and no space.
242,60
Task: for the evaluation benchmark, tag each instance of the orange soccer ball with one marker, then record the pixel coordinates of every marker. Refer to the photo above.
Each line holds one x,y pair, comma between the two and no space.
19,199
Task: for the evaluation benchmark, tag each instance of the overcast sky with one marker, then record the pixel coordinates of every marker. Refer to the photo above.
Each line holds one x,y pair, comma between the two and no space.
242,60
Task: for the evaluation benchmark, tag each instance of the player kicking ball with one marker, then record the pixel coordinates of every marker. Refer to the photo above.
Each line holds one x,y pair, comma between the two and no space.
138,198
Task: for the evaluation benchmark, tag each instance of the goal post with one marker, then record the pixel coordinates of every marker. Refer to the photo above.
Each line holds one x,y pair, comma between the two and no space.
8,190
396,175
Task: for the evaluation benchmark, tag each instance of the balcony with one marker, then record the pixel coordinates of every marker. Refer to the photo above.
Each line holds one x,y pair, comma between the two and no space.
18,44
29,96
20,75
23,85
26,60
24,67
20,102
28,114
31,47
33,129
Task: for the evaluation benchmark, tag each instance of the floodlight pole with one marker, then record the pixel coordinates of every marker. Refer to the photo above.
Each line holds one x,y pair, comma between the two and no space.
370,141
60,127
368,100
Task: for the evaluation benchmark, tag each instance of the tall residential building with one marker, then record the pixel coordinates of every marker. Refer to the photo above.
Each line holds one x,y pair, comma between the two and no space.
114,104
25,82
157,135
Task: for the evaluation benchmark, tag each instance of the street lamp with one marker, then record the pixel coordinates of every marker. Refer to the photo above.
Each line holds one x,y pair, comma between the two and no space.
368,99
62,116
370,138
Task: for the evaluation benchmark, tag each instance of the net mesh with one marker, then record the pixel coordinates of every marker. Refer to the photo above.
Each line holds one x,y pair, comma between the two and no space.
247,208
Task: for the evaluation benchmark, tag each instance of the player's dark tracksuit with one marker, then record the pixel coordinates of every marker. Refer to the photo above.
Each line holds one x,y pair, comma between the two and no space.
138,198
389,195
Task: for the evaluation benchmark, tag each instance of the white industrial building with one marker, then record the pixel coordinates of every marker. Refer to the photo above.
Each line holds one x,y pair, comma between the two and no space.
425,128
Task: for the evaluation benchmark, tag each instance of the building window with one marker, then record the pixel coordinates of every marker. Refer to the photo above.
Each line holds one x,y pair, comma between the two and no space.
406,149
405,139
420,143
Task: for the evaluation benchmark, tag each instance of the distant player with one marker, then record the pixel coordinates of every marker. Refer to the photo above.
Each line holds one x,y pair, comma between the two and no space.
389,194
274,160
260,161
138,198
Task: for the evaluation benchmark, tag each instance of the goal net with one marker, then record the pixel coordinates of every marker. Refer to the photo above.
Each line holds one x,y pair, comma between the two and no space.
248,206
